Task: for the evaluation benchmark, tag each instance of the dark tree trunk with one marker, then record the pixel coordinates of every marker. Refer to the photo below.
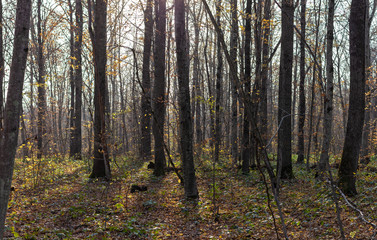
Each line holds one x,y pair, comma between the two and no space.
219,79
234,108
328,98
101,167
265,68
302,100
285,91
41,85
159,105
191,190
75,150
71,80
13,106
146,110
351,148
247,82
365,147
1,66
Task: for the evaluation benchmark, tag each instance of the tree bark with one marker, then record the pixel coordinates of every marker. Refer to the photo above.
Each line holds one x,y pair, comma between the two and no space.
75,150
101,167
234,108
285,91
13,106
265,67
2,72
186,140
146,110
247,84
351,148
219,79
302,100
328,98
41,85
159,105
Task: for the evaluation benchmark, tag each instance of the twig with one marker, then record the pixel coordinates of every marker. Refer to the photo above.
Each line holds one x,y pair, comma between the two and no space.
352,206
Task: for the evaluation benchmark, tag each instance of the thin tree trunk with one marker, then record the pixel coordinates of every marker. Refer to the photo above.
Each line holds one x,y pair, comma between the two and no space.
41,85
219,79
302,100
234,108
2,72
328,98
145,144
247,84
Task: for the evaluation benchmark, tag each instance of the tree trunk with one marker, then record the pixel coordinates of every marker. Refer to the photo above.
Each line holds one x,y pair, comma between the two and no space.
13,106
328,98
247,82
41,85
2,72
285,91
234,108
101,167
146,111
75,150
159,105
351,148
264,74
219,79
302,100
191,190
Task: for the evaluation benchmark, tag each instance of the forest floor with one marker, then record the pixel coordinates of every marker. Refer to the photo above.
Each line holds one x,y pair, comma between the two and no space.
53,199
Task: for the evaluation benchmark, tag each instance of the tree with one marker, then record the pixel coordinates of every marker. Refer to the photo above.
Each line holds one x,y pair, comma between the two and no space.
101,166
266,25
285,91
76,145
13,106
328,98
247,86
1,65
186,126
159,105
356,109
219,79
234,108
302,100
146,109
41,83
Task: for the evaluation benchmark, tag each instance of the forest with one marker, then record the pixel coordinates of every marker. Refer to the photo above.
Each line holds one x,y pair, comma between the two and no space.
188,119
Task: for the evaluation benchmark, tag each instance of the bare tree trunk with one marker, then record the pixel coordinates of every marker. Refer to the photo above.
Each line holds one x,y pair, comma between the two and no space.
75,150
356,110
285,92
247,82
328,98
265,67
159,105
13,106
365,147
101,167
191,190
2,72
146,111
234,108
41,85
302,100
